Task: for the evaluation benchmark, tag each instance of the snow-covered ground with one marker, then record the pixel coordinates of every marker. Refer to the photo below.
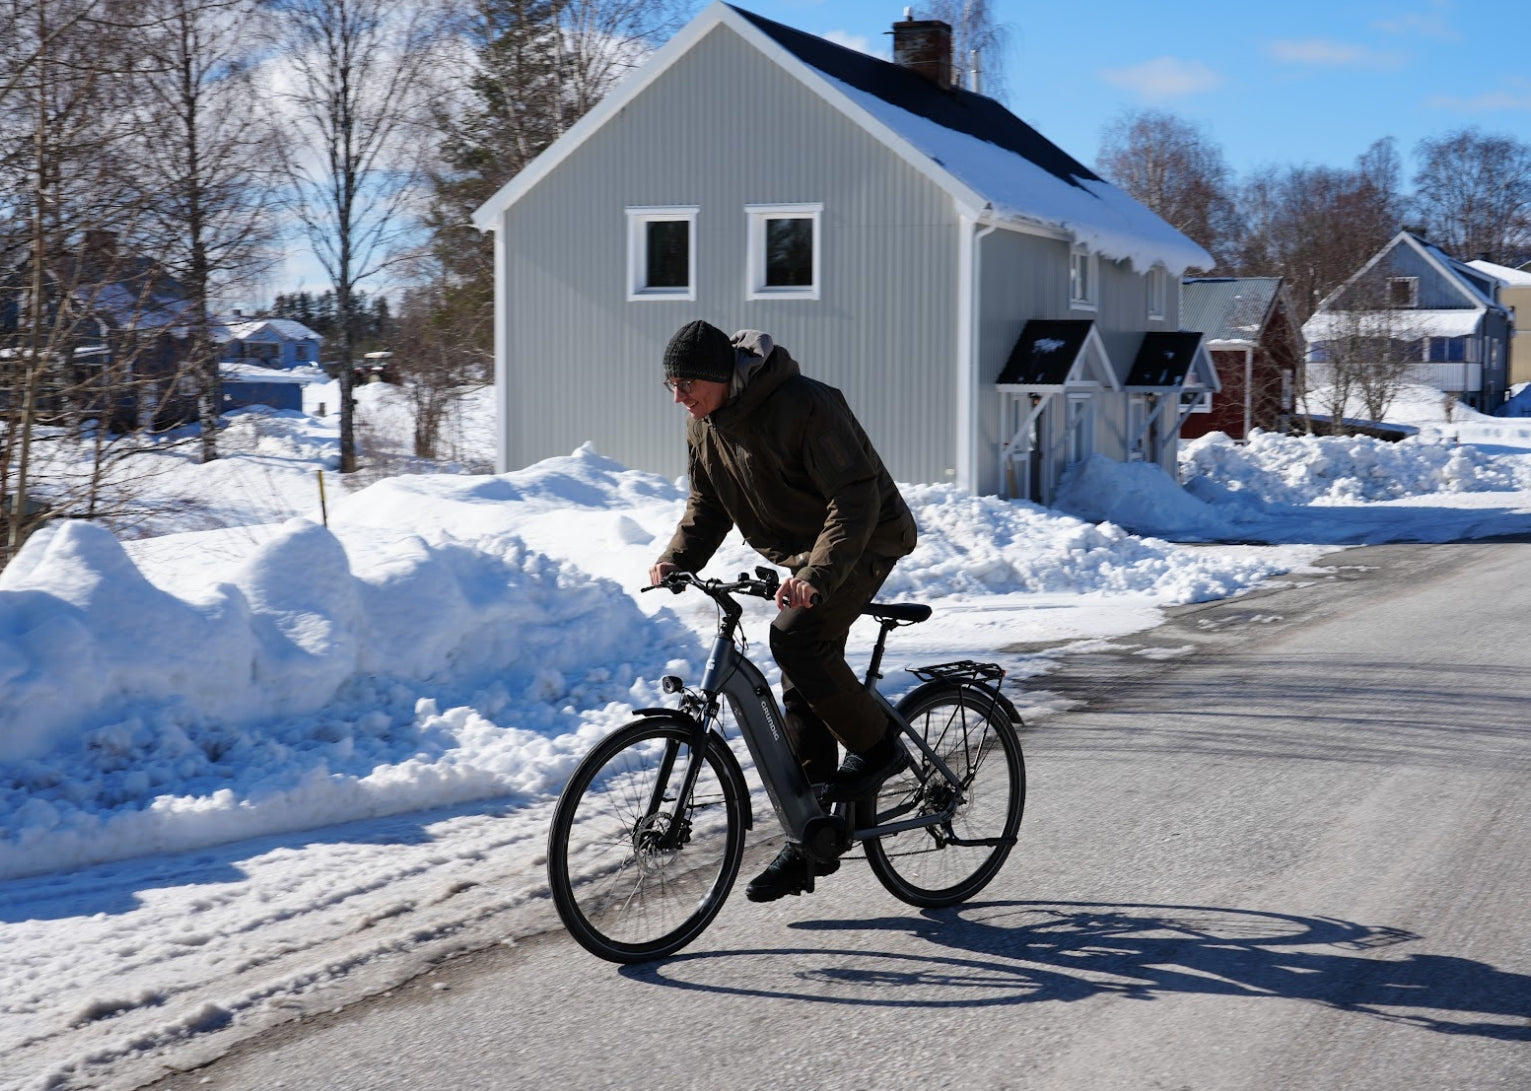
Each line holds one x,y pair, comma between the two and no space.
252,765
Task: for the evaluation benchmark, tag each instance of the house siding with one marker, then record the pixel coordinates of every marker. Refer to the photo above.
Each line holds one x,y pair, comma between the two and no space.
580,362
1025,277
1436,292
1518,299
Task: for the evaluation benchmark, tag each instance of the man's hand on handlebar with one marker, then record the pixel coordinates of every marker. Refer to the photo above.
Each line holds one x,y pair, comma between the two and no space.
796,592
659,571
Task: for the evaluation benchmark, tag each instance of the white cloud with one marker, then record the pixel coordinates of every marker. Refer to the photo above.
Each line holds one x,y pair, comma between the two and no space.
1435,22
859,42
1515,96
1327,52
1164,77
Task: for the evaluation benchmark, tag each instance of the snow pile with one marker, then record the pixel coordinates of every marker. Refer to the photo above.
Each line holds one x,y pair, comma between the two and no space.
451,637
977,544
447,638
303,690
1316,470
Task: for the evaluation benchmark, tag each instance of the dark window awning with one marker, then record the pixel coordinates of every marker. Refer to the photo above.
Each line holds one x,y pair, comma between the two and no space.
1052,353
1171,361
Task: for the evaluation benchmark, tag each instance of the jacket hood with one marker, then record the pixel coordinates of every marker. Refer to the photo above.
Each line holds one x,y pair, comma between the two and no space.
751,348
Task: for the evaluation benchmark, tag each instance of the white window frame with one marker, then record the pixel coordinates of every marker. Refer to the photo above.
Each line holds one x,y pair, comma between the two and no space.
1079,426
1084,279
1158,292
755,250
1412,284
638,219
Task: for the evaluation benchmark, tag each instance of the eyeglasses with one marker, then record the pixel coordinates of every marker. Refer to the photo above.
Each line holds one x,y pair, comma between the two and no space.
681,385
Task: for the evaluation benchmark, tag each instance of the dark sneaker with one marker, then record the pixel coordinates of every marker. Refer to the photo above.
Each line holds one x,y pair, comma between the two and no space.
860,775
790,873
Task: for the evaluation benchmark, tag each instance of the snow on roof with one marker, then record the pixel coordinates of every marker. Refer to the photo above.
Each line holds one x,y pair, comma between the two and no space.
1026,178
972,146
1402,324
1512,278
285,329
1090,211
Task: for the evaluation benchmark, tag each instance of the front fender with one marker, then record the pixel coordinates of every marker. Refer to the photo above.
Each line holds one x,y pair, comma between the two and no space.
731,767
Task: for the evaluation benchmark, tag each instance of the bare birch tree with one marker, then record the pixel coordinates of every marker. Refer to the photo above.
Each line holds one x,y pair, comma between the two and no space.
357,114
974,31
204,153
1177,171
1317,225
63,115
1473,193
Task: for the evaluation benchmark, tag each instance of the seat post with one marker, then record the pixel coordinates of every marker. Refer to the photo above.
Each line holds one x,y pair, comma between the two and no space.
874,668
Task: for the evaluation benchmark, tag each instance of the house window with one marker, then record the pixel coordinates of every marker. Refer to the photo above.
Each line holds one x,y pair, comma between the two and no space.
300,352
1448,350
1081,427
661,253
1403,292
1137,428
1158,294
1084,271
784,251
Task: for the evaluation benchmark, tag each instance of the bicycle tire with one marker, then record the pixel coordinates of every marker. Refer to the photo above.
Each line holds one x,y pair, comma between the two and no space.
976,740
622,895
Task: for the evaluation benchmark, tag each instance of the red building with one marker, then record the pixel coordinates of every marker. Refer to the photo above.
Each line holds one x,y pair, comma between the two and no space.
1256,346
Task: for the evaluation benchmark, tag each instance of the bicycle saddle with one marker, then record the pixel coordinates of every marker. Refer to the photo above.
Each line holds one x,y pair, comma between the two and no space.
909,612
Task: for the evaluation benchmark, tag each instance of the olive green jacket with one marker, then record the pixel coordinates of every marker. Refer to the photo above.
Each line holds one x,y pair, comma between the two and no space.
786,462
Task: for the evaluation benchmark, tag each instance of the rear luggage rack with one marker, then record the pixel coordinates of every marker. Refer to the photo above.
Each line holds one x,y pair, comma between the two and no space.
962,670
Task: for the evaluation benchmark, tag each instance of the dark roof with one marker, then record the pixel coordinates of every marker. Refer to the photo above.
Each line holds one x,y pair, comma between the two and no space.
955,108
1228,308
1045,352
1164,359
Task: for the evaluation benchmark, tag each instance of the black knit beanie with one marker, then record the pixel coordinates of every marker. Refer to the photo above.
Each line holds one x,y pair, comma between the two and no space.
699,351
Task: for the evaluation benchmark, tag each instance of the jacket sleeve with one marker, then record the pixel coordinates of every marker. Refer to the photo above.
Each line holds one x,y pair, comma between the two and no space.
836,459
702,527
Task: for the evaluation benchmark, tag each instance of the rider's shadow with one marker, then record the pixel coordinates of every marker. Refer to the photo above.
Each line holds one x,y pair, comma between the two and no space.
1007,953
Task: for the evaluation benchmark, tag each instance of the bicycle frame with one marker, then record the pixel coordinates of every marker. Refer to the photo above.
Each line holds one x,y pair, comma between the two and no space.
730,674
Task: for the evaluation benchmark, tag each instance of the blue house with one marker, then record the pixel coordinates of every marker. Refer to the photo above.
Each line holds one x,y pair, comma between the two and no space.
267,342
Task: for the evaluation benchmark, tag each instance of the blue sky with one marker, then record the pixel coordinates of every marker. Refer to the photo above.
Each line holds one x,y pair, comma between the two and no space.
1299,82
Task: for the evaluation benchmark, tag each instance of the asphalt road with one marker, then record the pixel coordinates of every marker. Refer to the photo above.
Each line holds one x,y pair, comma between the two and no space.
1280,843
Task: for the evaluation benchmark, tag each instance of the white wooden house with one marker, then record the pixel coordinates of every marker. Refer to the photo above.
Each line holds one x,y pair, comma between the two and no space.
1436,319
898,234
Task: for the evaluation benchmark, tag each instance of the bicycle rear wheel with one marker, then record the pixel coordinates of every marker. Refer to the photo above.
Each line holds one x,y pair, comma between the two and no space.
635,875
953,860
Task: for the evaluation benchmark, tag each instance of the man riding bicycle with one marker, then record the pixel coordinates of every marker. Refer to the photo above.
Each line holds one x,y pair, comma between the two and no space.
781,456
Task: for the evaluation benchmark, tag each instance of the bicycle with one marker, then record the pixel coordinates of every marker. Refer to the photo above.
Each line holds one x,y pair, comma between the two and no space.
648,835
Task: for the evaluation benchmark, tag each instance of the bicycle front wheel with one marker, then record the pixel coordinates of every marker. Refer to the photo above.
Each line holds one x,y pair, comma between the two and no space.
950,861
636,872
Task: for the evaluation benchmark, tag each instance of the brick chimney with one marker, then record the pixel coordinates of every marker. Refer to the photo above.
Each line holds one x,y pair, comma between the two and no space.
924,46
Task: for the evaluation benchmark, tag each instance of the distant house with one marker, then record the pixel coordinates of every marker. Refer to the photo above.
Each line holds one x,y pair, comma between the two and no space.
1514,293
982,298
1415,308
1256,346
266,342
117,331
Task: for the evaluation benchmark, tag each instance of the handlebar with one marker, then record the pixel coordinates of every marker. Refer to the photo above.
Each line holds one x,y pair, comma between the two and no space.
763,586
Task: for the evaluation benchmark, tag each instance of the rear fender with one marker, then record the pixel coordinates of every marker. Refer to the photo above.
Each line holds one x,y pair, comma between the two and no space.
976,693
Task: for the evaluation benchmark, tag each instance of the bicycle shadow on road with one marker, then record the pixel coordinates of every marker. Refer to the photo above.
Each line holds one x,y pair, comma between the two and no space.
1005,953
